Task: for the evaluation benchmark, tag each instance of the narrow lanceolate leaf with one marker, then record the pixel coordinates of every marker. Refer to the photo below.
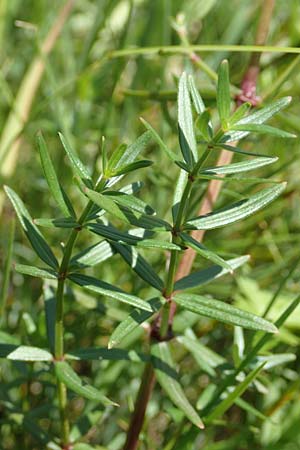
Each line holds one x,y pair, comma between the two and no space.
244,166
223,93
131,202
239,113
238,150
155,243
166,376
93,255
207,275
66,374
258,117
264,129
133,218
108,290
237,211
141,267
32,232
205,252
187,138
130,155
160,142
26,353
133,321
223,312
62,222
36,272
136,165
51,177
78,167
222,407
206,358
196,97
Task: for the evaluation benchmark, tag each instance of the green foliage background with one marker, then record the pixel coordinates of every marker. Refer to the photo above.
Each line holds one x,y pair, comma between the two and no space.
85,96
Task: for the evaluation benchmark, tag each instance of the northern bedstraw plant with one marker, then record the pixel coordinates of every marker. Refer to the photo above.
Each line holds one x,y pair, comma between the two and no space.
107,208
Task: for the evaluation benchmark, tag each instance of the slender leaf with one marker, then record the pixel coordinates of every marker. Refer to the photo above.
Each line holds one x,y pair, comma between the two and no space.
264,129
258,117
160,142
207,275
239,113
131,202
108,290
196,97
223,312
136,165
78,167
66,374
204,125
204,251
236,211
92,255
50,313
36,272
225,404
162,361
104,353
32,232
187,138
239,151
133,150
139,265
223,93
239,167
62,222
133,321
51,177
26,353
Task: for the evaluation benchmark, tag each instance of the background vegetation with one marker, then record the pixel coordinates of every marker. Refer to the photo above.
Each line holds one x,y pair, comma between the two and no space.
75,84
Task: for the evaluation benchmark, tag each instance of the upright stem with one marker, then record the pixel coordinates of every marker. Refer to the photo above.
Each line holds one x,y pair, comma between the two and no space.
59,323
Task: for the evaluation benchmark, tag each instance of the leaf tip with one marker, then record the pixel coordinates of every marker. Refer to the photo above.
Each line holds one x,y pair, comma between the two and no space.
201,425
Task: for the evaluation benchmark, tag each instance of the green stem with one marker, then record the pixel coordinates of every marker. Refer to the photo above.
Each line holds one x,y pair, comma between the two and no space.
59,323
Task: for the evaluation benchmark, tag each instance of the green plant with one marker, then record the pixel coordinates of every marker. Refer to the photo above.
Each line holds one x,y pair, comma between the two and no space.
127,224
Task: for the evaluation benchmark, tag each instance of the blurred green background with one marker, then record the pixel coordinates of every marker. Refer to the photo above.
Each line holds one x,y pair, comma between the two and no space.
79,89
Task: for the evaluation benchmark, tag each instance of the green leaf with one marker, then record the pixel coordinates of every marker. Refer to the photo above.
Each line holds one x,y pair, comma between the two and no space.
239,113
238,150
204,126
178,192
206,358
32,232
223,312
187,138
104,353
155,243
129,154
236,211
225,404
133,321
127,216
51,177
50,313
26,353
36,272
108,290
78,167
239,167
139,265
223,94
131,202
111,233
258,117
207,275
206,253
165,372
264,129
66,375
196,97
114,159
61,222
160,142
92,255
136,165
